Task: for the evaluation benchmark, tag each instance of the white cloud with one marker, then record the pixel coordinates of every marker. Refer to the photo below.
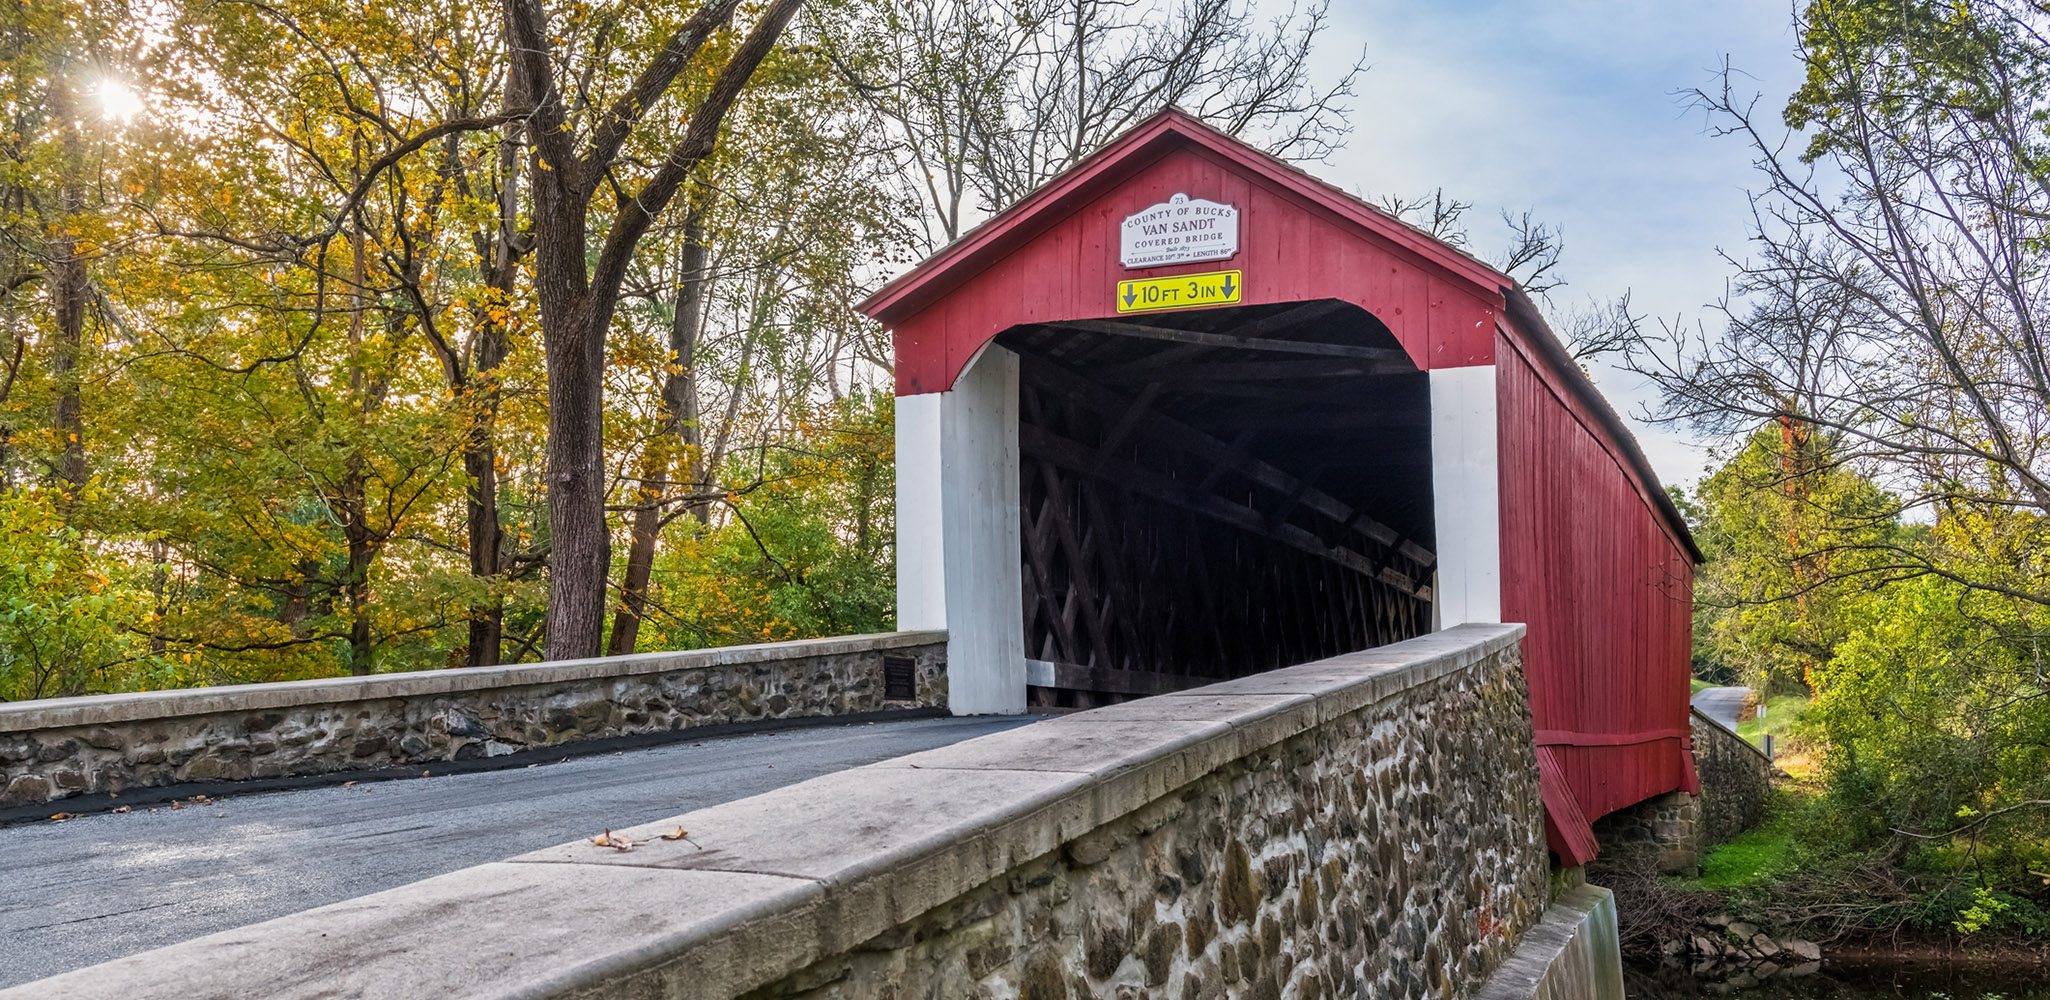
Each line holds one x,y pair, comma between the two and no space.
1571,109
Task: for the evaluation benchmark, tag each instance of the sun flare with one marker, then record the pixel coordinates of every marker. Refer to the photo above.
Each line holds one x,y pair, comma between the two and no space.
118,101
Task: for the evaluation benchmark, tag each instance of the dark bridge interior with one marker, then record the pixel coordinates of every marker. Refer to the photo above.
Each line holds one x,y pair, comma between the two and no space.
1213,493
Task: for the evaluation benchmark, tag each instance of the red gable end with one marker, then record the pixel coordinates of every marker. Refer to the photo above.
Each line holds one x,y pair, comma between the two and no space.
1054,256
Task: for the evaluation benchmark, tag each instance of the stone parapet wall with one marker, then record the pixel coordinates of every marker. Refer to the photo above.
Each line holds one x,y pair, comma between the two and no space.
1736,781
1364,826
61,747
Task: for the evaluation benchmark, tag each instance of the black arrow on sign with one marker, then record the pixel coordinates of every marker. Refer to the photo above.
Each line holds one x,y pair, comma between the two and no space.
1227,286
1129,296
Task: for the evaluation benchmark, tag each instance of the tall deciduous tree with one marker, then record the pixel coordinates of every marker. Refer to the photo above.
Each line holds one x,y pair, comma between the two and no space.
577,179
986,99
1899,288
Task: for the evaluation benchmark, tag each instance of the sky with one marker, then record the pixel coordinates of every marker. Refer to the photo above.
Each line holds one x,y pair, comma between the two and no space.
1571,109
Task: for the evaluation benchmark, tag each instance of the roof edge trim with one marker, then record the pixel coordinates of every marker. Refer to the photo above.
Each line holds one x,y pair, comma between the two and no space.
1524,313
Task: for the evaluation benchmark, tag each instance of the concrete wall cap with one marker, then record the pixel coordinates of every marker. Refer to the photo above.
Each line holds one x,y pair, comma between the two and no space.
499,931
1572,952
92,710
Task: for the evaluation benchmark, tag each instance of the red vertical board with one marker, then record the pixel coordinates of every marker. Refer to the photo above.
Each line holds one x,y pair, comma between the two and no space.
1591,566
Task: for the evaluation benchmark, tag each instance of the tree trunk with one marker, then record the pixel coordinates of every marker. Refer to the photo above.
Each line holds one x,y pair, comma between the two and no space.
480,459
298,597
579,545
487,534
68,292
640,557
361,552
159,586
679,411
353,504
680,389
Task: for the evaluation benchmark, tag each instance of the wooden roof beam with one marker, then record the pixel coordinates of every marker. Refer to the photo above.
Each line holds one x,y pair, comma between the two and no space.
1288,419
1235,341
1129,421
1204,372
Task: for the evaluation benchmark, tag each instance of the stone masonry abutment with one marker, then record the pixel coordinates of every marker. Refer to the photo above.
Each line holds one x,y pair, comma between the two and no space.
1364,826
1670,832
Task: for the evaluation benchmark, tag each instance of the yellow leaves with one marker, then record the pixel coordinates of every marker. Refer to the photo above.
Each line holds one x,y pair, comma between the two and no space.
620,843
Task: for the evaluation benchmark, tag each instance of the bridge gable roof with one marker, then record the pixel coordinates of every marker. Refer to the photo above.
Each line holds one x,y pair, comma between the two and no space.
1054,255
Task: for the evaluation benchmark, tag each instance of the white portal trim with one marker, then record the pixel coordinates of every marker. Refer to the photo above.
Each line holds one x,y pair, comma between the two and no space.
921,556
958,543
1466,490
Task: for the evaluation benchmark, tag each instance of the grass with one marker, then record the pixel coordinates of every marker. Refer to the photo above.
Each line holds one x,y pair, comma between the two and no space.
1767,851
1695,684
1755,855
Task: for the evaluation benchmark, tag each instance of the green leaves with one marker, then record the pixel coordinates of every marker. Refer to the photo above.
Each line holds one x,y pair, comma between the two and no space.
807,549
1791,534
73,615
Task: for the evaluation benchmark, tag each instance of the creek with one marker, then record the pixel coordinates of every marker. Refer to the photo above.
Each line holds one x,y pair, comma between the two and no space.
1918,981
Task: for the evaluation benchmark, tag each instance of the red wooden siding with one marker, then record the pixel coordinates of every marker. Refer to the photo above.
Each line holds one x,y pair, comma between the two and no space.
1589,564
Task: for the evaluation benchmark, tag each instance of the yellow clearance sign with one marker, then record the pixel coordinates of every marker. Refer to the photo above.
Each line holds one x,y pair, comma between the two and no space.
1183,291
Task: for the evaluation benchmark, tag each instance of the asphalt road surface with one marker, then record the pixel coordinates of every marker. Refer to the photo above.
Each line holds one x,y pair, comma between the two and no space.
1723,704
87,890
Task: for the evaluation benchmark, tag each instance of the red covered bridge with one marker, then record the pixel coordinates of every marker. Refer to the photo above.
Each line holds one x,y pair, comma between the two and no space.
1186,413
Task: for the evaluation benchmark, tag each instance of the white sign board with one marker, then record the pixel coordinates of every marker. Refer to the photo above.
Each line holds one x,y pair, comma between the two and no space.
1177,231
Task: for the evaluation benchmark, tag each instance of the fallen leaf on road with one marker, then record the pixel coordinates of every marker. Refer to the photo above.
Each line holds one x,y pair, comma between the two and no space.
620,844
348,784
123,809
175,804
63,816
680,834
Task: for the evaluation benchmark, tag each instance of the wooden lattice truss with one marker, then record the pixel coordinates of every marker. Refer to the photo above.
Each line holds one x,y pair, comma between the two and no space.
1157,556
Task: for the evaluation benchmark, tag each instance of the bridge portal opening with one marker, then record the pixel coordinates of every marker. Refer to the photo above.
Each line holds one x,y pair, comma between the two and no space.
1211,493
